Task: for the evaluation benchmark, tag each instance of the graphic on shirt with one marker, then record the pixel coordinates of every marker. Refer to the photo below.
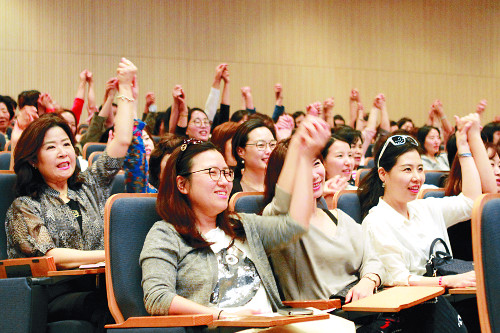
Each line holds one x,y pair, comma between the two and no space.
238,280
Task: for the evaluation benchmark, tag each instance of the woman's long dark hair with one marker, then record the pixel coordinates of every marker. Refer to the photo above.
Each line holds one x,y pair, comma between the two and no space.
370,188
422,134
274,166
174,207
240,140
29,180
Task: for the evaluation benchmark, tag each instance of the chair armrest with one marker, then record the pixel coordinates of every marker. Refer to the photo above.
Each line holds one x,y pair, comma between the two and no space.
24,267
165,321
320,304
394,299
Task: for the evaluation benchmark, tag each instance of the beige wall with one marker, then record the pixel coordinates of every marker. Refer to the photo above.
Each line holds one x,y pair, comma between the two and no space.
413,51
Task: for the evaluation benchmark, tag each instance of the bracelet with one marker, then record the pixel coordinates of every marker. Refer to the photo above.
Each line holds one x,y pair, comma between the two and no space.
218,316
465,155
443,117
125,98
372,280
440,280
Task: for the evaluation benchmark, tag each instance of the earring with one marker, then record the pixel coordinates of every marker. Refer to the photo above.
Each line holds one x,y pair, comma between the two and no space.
383,185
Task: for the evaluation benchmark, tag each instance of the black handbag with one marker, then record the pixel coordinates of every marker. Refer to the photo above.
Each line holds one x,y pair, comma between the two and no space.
442,263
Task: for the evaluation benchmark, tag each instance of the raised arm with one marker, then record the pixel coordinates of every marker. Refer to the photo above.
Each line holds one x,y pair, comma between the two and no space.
480,155
91,104
246,94
179,113
150,104
127,107
312,135
481,106
213,97
471,182
353,107
328,106
279,109
446,125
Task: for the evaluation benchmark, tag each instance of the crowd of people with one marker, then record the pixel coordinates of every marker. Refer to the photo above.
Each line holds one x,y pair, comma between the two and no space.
203,258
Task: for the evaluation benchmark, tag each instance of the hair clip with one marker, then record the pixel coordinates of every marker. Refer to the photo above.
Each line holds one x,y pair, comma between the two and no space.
188,142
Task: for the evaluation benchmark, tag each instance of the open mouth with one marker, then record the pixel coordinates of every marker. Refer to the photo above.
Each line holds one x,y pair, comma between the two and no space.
317,186
63,166
221,194
414,189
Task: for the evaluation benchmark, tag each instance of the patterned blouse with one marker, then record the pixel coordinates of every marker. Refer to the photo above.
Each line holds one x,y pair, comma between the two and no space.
35,226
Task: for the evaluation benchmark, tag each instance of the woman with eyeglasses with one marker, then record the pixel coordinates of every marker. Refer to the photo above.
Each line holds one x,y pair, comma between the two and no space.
400,229
202,259
252,144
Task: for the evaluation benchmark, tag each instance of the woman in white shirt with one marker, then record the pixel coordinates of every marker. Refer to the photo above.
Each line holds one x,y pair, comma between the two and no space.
429,138
399,228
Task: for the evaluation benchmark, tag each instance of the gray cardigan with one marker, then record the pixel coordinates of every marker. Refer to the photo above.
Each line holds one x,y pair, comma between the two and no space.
172,267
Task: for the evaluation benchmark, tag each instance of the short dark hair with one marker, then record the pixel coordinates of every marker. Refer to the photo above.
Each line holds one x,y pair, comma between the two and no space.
422,134
30,181
8,104
166,145
28,97
238,115
403,121
240,140
489,130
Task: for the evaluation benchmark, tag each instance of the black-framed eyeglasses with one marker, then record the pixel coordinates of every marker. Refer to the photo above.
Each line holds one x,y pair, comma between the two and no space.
261,144
199,123
215,173
396,140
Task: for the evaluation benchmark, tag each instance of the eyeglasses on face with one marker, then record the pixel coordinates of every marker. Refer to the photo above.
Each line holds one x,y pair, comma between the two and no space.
261,144
396,140
216,173
201,123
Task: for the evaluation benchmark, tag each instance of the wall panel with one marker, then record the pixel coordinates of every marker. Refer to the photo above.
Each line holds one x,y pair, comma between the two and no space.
413,51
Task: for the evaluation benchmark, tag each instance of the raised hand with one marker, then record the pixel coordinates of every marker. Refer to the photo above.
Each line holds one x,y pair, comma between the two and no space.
329,103
313,134
225,74
284,127
278,92
150,99
246,92
44,102
178,95
481,106
26,115
111,88
127,75
335,184
379,101
354,95
89,77
83,75
312,109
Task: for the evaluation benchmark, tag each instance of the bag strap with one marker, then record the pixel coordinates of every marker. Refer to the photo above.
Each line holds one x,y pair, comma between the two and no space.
431,251
330,215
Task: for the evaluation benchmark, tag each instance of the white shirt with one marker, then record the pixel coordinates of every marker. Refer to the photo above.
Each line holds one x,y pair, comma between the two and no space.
220,241
440,163
403,244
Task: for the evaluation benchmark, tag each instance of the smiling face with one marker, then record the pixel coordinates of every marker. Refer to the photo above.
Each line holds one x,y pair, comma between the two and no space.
319,175
495,164
148,143
4,117
357,152
56,159
70,119
207,197
432,142
198,127
408,126
404,180
255,159
339,160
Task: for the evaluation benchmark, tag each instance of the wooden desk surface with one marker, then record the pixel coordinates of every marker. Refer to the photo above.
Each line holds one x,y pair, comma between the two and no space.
264,321
320,304
462,291
68,272
394,299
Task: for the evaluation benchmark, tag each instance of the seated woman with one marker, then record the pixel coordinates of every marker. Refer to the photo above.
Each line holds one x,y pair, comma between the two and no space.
200,259
252,144
160,155
400,229
429,138
329,259
222,136
339,164
59,211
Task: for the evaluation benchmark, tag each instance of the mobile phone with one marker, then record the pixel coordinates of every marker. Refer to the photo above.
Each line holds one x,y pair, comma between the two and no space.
288,311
